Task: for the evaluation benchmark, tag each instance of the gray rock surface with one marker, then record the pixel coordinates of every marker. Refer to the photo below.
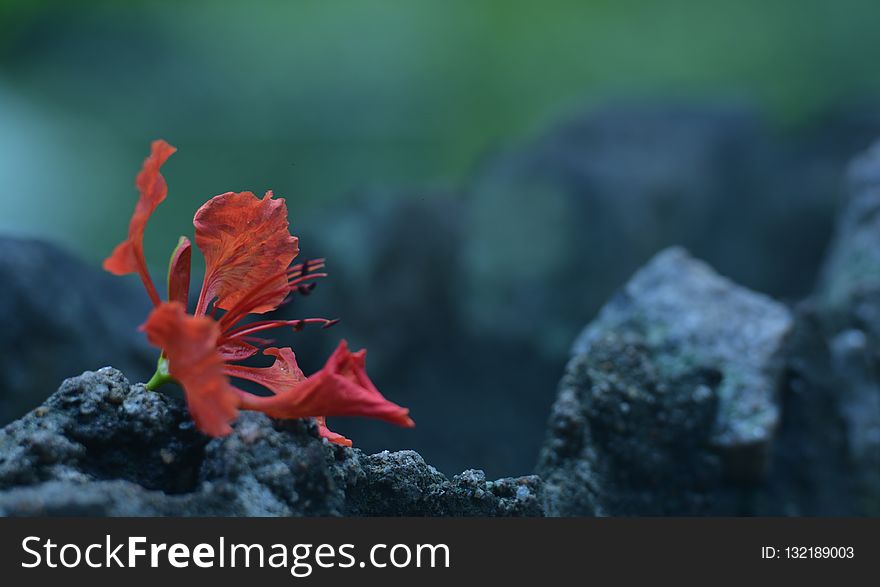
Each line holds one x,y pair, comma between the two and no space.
61,316
672,390
100,446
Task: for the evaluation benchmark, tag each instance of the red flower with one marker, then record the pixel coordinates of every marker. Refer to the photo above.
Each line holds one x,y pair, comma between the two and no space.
248,253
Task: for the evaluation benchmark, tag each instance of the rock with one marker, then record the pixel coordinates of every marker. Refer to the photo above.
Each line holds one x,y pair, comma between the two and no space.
847,308
811,470
554,226
100,446
691,316
59,316
414,488
670,398
850,280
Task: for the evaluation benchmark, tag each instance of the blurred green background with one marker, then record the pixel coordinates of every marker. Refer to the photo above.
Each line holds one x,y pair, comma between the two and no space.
317,99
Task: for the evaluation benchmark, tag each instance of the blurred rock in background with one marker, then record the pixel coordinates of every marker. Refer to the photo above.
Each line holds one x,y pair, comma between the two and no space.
679,356
556,225
59,316
394,282
671,400
847,309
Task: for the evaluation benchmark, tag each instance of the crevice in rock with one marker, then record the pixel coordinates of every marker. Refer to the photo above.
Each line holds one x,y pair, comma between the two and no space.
172,469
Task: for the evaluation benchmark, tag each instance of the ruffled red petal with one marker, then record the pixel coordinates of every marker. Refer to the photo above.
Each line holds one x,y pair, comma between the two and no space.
190,345
128,256
246,241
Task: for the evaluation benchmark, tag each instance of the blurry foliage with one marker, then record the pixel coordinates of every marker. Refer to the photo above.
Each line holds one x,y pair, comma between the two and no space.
317,99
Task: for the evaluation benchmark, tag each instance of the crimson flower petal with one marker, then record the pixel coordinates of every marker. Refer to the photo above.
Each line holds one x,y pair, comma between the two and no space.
340,388
179,271
246,241
128,256
190,345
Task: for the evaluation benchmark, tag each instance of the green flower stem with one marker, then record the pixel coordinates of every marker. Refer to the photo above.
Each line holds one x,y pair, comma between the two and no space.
161,376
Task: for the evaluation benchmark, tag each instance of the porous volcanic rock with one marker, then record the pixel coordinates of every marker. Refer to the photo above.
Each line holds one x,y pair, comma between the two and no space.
670,402
101,446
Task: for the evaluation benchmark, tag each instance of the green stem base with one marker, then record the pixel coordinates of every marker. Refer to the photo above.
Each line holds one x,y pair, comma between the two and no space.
161,376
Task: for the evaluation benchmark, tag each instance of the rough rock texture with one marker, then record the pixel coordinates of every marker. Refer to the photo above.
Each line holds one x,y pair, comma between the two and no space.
671,398
401,483
100,446
52,308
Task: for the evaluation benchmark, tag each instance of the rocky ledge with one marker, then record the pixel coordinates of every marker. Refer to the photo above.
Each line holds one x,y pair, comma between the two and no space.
101,446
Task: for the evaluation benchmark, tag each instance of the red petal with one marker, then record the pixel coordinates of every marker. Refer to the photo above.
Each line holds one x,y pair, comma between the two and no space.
190,345
334,437
128,256
341,388
281,377
178,272
245,241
